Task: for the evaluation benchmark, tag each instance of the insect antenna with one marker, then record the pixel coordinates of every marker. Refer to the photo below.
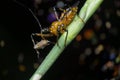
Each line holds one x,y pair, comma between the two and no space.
37,22
30,12
36,19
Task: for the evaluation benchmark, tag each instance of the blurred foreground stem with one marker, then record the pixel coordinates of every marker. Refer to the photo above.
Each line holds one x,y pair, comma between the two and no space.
74,28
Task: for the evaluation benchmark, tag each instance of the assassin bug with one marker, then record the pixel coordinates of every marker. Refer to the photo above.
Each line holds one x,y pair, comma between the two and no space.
56,28
59,27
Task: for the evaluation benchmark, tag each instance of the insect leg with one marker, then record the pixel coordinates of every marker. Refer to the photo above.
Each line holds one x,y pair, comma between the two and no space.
43,35
38,34
80,18
57,40
61,9
66,37
56,15
58,35
34,44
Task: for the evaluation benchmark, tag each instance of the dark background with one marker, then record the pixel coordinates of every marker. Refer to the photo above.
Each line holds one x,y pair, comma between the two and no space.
93,55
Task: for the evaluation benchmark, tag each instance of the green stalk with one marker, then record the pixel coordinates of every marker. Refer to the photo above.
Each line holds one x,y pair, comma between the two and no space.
74,28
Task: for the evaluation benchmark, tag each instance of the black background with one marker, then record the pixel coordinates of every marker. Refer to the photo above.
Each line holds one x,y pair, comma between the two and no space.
16,26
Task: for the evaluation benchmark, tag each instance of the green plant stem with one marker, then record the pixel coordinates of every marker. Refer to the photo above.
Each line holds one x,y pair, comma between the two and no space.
74,28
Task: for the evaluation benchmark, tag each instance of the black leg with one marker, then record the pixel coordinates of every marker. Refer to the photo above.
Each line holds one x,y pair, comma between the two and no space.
66,37
80,18
34,44
57,40
56,15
